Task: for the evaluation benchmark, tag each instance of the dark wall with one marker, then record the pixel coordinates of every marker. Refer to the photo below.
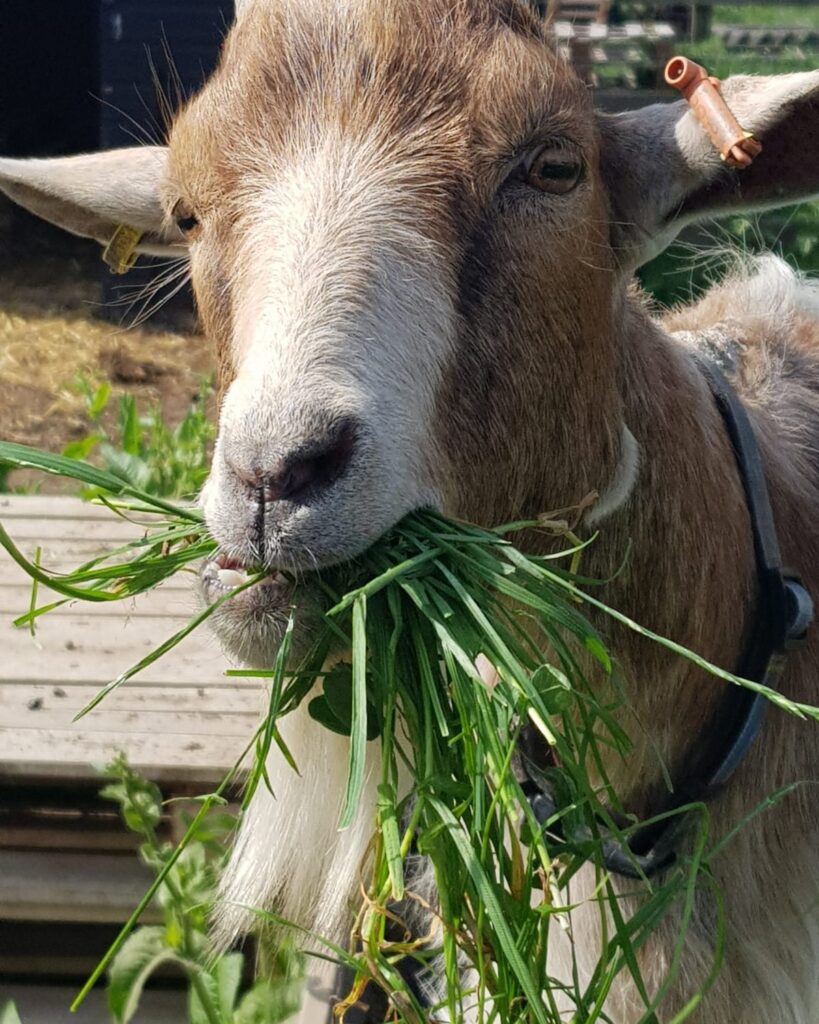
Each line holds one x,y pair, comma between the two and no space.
80,75
153,53
65,65
48,75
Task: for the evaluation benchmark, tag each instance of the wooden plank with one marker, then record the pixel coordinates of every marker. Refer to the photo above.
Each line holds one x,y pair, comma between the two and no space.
56,754
112,530
184,722
164,603
42,836
74,648
47,1004
20,716
67,886
135,696
35,506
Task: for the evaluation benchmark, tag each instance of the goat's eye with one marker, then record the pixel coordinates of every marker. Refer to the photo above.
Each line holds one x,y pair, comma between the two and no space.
554,170
185,218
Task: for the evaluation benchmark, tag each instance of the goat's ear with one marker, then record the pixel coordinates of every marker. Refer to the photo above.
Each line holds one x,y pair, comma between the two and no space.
95,194
662,172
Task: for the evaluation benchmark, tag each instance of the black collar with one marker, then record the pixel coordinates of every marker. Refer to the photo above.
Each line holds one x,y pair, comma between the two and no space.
783,613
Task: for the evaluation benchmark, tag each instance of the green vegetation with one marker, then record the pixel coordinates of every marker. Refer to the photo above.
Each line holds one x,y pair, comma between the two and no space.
9,1014
702,255
140,449
144,450
216,992
771,14
722,62
414,613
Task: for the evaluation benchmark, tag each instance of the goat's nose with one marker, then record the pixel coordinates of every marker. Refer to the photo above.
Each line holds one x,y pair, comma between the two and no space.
305,471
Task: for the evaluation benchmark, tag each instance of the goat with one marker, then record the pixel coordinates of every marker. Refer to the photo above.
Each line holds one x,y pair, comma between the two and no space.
412,242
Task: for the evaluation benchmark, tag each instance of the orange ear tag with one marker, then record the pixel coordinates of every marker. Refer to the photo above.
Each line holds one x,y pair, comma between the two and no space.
737,147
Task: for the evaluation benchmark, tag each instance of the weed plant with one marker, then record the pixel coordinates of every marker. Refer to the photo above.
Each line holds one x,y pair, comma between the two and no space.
143,450
187,892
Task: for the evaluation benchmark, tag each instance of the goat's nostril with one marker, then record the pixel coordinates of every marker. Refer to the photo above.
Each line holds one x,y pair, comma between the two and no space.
304,472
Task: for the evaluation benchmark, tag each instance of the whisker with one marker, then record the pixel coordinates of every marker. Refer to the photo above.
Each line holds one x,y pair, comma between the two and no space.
144,135
146,314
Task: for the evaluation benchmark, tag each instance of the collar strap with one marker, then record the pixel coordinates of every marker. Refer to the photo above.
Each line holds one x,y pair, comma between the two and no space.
783,612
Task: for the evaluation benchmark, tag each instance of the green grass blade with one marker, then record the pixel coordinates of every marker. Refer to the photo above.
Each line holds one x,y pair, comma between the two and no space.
494,911
358,735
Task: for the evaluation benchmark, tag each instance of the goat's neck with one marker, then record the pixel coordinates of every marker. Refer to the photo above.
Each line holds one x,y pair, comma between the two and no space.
685,535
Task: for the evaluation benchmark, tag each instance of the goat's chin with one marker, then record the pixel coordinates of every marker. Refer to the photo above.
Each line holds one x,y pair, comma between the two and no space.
251,625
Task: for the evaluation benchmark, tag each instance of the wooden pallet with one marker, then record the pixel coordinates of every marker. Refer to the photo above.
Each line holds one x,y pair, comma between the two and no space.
183,724
64,854
633,44
67,864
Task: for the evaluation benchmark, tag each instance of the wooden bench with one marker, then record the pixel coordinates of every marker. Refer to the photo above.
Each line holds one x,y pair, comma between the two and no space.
182,723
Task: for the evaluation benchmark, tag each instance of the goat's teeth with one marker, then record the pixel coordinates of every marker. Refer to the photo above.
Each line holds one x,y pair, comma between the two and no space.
231,578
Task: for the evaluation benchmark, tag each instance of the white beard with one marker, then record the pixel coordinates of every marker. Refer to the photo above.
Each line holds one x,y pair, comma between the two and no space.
289,855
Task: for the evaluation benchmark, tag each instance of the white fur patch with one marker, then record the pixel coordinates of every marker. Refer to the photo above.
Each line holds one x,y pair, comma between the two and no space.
771,289
341,311
289,854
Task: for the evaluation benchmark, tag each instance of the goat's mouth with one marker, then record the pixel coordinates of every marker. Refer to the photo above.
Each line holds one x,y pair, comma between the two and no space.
223,575
250,621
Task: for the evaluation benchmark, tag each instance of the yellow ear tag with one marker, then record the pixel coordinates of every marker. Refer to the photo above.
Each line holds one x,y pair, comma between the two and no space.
120,254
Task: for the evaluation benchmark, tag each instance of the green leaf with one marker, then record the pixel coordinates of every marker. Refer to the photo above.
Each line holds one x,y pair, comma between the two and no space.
598,651
96,403
334,708
21,456
82,449
220,986
197,1013
129,426
319,709
270,1002
228,979
388,819
130,969
9,1015
555,689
